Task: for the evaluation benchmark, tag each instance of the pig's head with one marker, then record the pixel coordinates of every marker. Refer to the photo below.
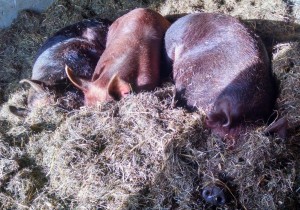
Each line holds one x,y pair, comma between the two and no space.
100,90
227,121
39,95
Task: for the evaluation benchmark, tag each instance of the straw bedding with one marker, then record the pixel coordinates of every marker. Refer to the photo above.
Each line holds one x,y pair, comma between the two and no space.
142,152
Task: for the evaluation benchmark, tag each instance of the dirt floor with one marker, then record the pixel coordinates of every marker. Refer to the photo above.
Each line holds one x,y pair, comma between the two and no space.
141,152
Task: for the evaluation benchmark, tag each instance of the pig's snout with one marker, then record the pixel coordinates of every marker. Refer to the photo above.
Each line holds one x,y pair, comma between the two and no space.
214,195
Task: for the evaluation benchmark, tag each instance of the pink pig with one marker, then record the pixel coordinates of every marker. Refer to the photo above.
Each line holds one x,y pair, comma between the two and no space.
131,60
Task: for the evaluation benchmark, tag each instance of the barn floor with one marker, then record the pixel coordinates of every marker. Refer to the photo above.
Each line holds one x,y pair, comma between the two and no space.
141,152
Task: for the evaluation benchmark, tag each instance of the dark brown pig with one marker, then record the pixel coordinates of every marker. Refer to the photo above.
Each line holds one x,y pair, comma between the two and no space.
222,68
131,60
79,46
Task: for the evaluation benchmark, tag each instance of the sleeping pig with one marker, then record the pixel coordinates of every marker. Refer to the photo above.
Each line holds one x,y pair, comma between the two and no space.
131,60
221,68
79,46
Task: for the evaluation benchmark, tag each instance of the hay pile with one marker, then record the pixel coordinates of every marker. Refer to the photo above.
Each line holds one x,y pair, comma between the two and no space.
141,152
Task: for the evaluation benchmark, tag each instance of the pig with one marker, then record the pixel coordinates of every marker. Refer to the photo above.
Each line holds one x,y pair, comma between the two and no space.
79,46
221,68
131,60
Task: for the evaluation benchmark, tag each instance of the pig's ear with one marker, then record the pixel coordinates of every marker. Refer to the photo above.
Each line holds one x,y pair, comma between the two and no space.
118,88
36,85
278,127
220,116
80,83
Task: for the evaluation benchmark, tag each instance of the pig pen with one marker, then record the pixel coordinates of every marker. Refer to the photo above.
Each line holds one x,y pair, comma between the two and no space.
141,152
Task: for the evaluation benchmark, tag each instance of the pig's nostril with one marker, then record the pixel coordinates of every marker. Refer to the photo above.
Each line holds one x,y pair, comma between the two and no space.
206,193
220,200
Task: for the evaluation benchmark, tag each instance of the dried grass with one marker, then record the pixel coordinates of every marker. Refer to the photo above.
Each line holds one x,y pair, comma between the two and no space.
140,152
